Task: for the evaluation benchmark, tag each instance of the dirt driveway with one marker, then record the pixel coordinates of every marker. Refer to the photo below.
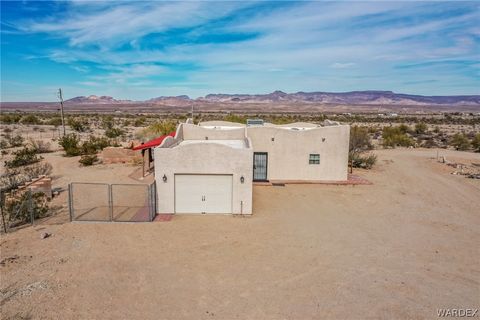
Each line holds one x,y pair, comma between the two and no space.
397,249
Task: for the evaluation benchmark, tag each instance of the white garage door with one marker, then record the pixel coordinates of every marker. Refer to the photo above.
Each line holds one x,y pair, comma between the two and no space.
201,193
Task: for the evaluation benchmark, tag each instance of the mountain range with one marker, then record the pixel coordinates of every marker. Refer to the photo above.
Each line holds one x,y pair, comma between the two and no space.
347,98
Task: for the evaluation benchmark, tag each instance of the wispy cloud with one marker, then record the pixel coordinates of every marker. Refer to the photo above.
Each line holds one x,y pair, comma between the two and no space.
340,65
202,47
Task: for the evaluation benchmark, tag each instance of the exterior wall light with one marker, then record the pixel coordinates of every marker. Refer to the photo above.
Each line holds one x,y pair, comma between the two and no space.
242,179
164,178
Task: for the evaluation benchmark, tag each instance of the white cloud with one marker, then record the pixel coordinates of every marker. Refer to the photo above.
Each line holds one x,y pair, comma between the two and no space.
340,65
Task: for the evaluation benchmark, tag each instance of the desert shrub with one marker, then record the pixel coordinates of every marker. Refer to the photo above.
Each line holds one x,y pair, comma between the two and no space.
71,144
55,121
140,122
396,136
420,128
476,142
359,139
94,144
22,207
79,125
14,141
30,119
157,129
88,159
460,142
3,144
40,146
10,118
23,157
436,129
235,118
108,122
13,177
114,132
430,143
404,128
365,161
35,170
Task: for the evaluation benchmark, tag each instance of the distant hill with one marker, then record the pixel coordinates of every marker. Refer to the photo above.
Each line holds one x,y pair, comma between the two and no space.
93,99
373,98
349,98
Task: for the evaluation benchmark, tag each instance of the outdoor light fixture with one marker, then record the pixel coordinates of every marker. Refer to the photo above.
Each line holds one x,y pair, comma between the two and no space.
242,179
164,178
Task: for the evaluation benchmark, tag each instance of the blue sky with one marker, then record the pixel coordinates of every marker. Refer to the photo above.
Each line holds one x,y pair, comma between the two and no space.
139,50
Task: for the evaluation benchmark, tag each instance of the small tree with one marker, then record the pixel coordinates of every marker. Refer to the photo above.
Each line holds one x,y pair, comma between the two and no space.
460,142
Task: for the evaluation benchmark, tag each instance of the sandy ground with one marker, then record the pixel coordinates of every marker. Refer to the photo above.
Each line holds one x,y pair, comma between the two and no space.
397,249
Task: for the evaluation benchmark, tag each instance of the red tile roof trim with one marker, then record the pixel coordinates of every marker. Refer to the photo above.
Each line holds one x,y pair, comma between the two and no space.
154,142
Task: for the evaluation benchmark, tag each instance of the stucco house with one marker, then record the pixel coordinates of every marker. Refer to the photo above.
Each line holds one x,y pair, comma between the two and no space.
211,167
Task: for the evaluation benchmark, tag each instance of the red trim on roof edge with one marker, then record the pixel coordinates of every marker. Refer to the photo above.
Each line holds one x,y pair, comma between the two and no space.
154,142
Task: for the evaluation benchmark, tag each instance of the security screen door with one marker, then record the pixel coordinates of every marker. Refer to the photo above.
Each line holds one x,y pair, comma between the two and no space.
260,160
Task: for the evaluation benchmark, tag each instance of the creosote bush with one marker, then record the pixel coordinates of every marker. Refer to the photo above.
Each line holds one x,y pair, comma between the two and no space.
23,157
460,142
157,129
70,143
21,208
30,119
74,147
79,125
88,159
476,142
396,136
365,161
114,132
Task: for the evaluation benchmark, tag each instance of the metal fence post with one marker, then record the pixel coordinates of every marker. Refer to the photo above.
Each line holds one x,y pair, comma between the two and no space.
70,201
30,206
110,201
2,210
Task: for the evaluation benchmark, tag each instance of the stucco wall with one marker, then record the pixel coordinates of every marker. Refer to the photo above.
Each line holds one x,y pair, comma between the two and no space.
194,132
204,158
288,154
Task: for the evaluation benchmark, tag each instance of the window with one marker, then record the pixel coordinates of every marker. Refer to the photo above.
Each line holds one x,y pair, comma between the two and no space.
314,158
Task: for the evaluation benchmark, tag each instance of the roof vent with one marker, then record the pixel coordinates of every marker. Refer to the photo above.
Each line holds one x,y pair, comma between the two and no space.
255,122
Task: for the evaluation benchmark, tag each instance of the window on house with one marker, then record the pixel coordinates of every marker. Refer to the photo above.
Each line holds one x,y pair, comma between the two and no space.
314,158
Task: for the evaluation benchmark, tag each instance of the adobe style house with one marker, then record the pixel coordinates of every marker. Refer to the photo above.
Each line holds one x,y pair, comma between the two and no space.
211,167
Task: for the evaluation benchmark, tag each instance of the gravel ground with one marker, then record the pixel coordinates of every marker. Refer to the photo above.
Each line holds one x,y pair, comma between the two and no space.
397,249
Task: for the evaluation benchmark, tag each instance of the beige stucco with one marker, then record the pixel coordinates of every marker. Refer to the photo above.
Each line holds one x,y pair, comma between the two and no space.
213,149
204,157
288,153
194,132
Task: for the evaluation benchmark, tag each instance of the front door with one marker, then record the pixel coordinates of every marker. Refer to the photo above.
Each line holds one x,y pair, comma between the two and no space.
260,162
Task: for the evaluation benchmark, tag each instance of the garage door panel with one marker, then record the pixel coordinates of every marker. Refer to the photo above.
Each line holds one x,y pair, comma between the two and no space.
218,194
203,193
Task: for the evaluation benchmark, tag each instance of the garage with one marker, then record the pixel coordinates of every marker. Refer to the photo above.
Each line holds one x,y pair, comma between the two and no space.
203,193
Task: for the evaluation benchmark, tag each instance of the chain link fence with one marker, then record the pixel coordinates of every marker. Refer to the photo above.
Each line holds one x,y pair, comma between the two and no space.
21,209
111,202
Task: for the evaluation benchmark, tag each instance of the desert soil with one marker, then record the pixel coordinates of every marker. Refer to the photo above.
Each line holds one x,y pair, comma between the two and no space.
397,249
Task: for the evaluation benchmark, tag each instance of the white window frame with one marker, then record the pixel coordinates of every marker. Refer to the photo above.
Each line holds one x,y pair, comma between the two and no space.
314,158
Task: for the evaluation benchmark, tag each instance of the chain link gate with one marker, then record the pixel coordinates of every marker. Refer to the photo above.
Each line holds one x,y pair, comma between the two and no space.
112,202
